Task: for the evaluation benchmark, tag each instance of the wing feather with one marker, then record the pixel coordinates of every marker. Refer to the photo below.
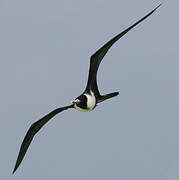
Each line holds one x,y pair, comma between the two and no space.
34,128
97,57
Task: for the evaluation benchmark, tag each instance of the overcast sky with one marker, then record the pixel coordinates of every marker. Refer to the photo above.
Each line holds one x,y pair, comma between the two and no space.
45,47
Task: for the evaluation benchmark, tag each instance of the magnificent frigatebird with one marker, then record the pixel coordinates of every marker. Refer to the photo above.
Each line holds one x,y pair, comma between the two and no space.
87,101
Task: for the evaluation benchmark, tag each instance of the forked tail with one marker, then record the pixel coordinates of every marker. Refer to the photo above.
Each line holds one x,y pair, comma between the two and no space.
107,96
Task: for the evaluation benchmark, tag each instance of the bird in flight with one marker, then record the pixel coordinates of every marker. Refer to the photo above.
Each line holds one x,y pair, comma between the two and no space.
87,101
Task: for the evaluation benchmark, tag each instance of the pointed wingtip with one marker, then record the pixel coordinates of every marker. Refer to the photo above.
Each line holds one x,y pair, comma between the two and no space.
14,171
158,6
15,168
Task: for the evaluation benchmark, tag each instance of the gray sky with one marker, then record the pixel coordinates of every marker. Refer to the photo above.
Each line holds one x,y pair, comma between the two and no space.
45,49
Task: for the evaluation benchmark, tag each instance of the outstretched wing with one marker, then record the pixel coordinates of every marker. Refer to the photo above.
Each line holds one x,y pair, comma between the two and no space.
97,57
34,128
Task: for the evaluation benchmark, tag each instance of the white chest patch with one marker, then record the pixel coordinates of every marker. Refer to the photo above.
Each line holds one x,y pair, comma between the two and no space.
91,103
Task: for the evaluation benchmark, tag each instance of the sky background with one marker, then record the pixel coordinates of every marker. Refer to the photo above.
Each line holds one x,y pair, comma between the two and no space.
45,46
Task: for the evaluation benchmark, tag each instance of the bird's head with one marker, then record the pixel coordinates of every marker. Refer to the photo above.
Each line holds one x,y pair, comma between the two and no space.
76,101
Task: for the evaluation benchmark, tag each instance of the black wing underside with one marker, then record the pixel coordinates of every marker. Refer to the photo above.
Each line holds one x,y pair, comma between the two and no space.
34,128
97,57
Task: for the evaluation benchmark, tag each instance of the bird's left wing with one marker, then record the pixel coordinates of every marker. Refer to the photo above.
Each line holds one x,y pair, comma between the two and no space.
97,57
34,128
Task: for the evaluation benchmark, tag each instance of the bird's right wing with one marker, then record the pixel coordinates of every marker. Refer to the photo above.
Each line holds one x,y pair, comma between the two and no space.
34,128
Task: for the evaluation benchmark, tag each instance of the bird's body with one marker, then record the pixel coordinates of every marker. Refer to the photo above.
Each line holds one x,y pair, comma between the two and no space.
87,101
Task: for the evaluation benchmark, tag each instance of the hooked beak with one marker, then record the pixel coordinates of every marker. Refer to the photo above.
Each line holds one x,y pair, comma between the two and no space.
76,101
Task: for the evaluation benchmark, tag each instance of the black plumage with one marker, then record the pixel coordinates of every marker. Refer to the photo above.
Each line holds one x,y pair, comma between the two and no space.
86,101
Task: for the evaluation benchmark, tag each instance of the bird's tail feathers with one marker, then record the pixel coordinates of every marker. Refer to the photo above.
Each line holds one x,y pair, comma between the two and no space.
107,96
